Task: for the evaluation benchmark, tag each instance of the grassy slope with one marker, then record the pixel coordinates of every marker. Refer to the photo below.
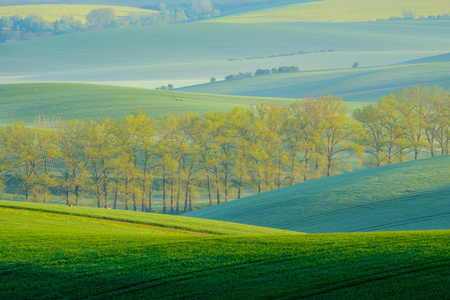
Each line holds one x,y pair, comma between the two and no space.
49,256
341,11
52,12
185,54
163,221
361,85
408,196
83,101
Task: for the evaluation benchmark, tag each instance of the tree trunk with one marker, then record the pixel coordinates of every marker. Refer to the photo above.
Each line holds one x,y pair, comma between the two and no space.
171,197
226,184
150,196
209,188
186,199
77,194
105,189
164,193
217,187
66,192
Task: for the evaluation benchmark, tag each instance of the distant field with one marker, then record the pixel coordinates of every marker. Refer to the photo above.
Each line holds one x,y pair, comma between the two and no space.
407,196
25,102
52,255
52,12
341,11
359,85
192,53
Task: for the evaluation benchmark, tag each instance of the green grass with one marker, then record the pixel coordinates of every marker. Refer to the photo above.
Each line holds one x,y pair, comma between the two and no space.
52,12
163,221
359,85
192,53
25,102
341,11
53,256
407,196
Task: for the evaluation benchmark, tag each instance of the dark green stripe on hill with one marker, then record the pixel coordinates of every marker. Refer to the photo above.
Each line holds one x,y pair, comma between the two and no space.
408,196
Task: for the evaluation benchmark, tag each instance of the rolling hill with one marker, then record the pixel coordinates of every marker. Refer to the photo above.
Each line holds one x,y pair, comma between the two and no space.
360,85
341,11
26,102
192,53
50,253
408,196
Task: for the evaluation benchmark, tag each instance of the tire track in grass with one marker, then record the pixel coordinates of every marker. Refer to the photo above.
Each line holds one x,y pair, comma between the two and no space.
402,222
158,282
148,226
348,283
354,282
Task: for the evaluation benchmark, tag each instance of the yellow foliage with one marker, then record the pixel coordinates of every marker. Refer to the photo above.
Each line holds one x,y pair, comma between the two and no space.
53,12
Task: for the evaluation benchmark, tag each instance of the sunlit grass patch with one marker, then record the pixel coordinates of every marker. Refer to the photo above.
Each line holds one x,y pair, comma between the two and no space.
53,12
341,11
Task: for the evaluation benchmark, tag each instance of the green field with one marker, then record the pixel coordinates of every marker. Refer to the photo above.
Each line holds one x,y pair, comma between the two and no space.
53,256
53,12
25,102
192,53
407,196
359,85
341,11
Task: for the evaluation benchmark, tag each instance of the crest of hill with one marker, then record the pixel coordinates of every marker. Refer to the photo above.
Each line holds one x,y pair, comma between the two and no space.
431,59
408,196
341,11
67,101
158,221
53,12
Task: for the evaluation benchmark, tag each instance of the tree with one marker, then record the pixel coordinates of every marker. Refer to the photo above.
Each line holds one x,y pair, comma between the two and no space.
395,128
100,17
414,108
99,150
436,117
47,142
374,140
6,165
73,161
21,143
243,121
340,133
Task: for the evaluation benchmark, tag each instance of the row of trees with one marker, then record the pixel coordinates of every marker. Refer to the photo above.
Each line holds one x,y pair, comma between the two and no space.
17,28
413,123
261,72
267,146
191,11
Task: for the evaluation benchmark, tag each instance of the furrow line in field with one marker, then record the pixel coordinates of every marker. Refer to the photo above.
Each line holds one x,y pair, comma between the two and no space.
157,282
354,282
403,222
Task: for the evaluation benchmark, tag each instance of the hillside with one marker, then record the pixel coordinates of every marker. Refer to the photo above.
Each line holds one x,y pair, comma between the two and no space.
52,255
341,11
192,53
408,196
361,85
162,223
25,102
